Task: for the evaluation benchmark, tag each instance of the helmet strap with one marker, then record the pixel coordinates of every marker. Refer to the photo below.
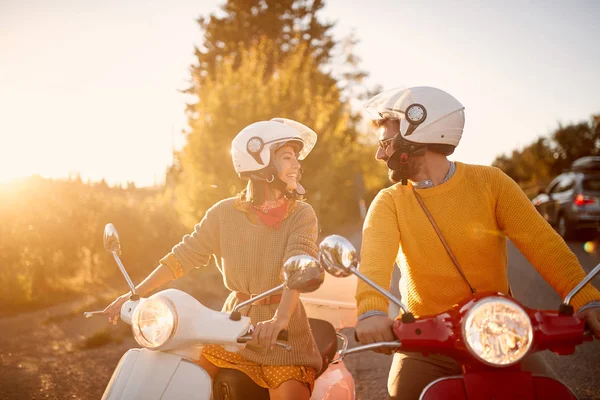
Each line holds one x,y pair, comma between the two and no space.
269,175
400,159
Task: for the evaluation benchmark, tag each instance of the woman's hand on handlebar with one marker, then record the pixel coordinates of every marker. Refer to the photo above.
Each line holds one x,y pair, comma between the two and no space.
113,310
265,333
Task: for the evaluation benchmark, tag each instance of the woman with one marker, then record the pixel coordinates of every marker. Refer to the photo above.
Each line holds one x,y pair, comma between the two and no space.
251,236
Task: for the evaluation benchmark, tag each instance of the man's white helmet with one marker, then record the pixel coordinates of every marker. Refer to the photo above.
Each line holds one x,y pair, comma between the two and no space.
251,148
427,114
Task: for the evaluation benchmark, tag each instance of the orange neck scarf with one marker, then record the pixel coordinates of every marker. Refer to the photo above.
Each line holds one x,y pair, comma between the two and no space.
273,217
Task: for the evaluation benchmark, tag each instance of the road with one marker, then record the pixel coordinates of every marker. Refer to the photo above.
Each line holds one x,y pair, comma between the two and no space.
580,371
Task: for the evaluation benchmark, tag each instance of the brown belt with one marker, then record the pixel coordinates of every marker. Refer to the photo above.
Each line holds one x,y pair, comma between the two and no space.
273,299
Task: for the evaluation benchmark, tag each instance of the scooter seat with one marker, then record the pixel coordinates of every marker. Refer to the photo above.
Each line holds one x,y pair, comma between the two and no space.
326,339
231,384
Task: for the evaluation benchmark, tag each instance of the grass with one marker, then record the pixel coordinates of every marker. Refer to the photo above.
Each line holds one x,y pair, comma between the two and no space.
105,336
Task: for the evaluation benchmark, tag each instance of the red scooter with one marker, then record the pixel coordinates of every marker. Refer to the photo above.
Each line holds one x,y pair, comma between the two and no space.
489,334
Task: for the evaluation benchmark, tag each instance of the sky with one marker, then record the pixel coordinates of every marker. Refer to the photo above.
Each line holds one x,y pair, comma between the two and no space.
94,87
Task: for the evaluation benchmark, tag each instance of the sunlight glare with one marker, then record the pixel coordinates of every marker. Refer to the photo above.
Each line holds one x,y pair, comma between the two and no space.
590,247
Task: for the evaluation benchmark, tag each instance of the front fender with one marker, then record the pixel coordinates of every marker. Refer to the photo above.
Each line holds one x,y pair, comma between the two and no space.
336,383
497,385
144,374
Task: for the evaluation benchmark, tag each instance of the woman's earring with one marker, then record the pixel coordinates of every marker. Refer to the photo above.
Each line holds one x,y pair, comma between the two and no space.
271,179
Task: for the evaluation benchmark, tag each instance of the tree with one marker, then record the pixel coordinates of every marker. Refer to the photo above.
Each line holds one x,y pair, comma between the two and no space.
541,161
261,59
287,24
237,94
573,142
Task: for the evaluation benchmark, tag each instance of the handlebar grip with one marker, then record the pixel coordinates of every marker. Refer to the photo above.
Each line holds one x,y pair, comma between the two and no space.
358,340
283,335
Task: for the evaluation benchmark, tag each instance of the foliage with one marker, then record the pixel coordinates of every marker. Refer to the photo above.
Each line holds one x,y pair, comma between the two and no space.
538,163
51,238
235,97
287,24
262,59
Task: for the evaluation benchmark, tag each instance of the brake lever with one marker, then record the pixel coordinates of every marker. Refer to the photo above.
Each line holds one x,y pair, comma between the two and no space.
90,314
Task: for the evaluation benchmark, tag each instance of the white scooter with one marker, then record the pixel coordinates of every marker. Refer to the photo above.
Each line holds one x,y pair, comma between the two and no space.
172,327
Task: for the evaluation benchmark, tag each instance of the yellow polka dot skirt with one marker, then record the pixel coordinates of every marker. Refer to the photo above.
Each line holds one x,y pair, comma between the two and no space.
267,376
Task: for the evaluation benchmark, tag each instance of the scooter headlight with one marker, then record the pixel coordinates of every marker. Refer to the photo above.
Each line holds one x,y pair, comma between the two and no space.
154,322
497,331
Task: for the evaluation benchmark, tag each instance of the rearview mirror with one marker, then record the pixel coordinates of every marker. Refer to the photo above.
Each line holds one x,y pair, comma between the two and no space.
111,239
338,256
303,273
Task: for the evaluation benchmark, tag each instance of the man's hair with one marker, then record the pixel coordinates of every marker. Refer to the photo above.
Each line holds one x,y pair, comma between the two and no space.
378,123
444,149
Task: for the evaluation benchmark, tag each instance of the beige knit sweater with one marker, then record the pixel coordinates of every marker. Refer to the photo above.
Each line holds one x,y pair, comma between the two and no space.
250,256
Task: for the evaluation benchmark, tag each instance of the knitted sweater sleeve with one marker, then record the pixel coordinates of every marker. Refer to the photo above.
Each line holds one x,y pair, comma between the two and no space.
538,241
195,249
380,243
302,238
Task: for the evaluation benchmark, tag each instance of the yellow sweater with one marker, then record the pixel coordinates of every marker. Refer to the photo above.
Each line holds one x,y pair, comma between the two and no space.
476,209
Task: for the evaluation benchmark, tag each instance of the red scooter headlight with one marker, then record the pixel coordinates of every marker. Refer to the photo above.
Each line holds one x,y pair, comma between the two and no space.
497,331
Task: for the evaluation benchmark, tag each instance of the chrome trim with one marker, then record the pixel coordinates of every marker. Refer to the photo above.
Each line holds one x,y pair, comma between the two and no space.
581,284
173,310
259,297
344,348
481,302
439,380
359,349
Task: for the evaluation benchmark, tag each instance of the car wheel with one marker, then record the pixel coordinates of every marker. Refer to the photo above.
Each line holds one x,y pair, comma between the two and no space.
563,227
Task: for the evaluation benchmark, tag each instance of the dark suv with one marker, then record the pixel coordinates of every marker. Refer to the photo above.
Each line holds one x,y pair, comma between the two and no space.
572,199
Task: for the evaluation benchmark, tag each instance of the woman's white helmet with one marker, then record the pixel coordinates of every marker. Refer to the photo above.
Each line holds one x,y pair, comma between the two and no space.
427,115
252,148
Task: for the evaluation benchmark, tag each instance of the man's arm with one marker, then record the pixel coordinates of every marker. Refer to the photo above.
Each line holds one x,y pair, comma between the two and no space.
380,243
539,243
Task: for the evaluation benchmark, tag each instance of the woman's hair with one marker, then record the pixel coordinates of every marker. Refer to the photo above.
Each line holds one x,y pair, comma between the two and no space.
255,192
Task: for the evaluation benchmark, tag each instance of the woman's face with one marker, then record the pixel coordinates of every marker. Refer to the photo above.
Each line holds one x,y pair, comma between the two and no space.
288,167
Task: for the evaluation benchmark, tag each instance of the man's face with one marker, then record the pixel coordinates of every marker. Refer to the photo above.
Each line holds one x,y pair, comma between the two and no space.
386,132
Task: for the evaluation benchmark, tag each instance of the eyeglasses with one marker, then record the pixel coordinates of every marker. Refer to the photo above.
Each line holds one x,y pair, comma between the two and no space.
385,143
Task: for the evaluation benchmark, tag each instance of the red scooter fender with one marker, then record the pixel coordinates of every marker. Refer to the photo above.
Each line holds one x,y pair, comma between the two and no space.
497,385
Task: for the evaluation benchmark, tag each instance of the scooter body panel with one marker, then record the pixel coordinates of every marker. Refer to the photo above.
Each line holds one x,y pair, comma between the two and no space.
148,375
335,383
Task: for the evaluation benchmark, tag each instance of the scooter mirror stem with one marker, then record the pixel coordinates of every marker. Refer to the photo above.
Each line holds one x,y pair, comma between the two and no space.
375,286
580,286
235,314
126,275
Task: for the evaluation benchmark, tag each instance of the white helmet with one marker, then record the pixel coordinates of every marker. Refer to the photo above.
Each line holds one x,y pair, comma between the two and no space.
251,148
427,115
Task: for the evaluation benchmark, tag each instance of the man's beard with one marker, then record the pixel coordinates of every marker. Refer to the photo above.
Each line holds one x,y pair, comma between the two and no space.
414,167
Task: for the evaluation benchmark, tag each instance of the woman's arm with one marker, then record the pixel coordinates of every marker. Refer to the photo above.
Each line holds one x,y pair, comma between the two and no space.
160,276
289,301
265,333
194,250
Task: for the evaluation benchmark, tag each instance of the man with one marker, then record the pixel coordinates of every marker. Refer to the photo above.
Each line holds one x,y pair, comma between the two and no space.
475,208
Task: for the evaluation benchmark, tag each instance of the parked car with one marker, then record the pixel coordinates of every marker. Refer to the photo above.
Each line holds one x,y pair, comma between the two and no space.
572,200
